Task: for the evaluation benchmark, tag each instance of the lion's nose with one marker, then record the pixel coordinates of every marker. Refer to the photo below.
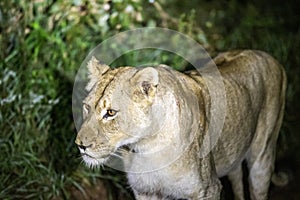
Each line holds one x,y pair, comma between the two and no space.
81,145
84,147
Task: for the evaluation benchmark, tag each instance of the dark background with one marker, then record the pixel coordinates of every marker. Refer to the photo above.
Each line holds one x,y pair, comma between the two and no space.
43,43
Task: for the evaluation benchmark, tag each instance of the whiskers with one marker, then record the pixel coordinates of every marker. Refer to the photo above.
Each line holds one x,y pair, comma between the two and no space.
79,157
91,162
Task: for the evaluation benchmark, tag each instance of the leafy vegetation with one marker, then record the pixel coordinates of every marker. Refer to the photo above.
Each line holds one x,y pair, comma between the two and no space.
43,43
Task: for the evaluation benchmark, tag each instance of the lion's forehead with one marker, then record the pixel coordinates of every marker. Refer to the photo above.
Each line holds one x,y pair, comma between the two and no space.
108,84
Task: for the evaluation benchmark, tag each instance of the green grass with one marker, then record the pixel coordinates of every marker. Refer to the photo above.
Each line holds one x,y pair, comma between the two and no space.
43,44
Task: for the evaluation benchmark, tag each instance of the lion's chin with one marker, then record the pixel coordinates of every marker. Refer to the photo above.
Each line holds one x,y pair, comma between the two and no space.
94,162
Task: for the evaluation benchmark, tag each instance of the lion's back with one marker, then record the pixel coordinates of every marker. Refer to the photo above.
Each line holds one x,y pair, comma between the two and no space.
251,79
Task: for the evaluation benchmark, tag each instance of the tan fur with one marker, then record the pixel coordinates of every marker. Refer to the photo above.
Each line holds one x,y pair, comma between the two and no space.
255,91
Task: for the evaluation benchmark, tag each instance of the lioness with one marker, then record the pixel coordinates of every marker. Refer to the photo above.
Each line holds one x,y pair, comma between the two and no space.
255,96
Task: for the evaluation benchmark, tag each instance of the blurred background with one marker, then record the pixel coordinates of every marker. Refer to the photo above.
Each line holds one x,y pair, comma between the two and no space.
42,45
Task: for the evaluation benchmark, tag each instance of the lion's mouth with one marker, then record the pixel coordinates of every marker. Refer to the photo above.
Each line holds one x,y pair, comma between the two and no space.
93,161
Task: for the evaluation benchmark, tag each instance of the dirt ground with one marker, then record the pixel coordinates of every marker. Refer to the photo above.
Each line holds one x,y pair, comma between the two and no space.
92,192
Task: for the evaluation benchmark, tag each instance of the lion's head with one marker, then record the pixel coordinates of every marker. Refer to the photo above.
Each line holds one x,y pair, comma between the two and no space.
141,108
119,109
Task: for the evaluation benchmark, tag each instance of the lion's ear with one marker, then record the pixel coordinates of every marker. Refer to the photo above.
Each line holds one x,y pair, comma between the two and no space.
95,71
146,80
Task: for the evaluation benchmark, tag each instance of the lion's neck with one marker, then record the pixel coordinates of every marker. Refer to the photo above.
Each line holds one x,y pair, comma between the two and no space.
182,127
167,145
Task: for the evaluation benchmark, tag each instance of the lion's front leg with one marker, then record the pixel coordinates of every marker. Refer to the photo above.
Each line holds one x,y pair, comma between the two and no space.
210,186
210,192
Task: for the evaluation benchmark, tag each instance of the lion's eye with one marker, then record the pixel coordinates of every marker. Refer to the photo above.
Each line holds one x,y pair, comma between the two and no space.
110,113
